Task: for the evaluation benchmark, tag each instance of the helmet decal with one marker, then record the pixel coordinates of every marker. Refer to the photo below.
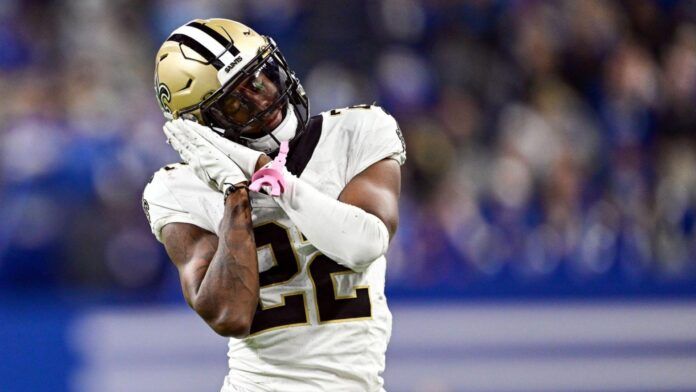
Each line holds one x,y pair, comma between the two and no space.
206,42
225,42
164,96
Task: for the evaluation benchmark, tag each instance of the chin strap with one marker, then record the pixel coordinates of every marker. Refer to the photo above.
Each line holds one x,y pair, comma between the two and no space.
284,131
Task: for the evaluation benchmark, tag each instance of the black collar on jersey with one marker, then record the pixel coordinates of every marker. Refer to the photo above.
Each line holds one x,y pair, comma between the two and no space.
302,147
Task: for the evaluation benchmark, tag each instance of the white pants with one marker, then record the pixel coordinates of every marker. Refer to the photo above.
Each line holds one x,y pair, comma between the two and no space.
228,387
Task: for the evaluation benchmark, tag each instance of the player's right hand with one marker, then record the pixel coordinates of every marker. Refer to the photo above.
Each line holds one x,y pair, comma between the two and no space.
246,158
211,165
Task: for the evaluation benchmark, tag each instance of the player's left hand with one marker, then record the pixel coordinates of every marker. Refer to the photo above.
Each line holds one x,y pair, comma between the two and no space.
243,156
209,164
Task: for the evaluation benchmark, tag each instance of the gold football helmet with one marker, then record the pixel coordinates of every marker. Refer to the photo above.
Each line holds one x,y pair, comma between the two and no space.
223,74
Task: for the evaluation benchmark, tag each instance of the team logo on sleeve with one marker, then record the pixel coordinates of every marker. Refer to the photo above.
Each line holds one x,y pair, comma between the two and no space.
146,209
401,138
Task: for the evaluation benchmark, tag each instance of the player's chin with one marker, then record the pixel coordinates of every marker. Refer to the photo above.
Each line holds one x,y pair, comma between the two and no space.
261,127
273,119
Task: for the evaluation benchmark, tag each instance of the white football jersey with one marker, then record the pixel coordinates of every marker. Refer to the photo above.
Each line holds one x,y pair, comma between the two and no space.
319,325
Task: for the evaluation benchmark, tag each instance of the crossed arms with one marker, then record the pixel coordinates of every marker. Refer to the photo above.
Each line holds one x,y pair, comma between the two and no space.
219,276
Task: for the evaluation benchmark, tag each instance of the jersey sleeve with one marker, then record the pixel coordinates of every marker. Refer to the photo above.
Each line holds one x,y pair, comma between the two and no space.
377,137
162,207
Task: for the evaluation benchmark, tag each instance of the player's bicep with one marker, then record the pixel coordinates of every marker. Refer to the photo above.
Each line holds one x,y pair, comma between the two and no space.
376,190
191,249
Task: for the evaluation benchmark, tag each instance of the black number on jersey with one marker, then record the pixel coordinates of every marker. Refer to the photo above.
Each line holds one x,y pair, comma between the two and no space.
292,311
331,306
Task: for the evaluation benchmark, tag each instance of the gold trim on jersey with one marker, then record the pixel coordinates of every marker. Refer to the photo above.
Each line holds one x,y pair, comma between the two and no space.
303,239
354,290
336,296
282,298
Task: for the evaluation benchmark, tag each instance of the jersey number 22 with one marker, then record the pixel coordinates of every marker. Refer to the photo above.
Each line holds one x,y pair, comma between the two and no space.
321,270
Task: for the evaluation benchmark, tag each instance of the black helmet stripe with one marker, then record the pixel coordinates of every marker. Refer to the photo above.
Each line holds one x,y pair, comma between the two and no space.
217,37
198,48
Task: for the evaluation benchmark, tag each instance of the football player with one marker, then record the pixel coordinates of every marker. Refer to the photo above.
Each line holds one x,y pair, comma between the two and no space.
295,280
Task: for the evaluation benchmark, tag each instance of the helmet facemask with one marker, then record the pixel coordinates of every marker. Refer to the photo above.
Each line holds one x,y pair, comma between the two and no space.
254,102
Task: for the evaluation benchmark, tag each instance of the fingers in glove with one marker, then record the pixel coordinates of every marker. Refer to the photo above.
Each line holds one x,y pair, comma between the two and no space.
208,136
172,137
188,130
243,156
177,144
182,150
194,127
187,139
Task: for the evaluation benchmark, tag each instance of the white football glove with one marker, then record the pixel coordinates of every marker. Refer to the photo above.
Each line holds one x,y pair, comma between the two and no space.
210,164
243,156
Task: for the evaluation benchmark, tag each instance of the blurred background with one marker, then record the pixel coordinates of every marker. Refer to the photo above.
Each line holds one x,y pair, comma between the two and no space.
548,213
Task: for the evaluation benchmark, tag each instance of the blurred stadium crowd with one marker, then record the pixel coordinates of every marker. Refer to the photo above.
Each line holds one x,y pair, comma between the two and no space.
550,144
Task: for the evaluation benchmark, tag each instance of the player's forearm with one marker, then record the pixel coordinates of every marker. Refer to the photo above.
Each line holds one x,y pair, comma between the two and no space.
347,234
229,292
